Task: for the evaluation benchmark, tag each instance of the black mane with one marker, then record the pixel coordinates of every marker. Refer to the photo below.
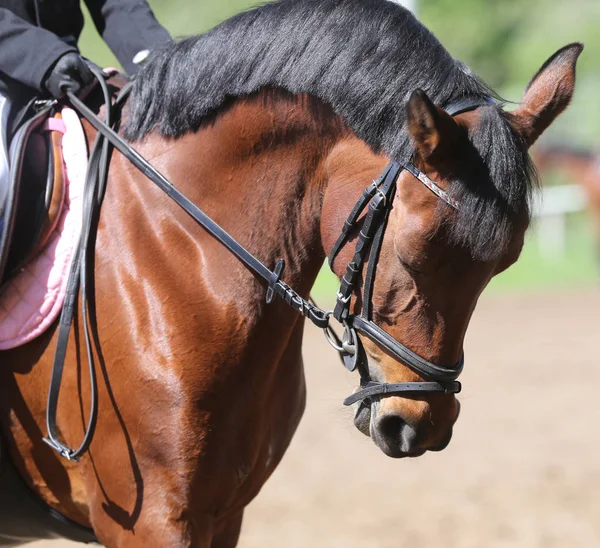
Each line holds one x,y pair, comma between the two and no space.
363,58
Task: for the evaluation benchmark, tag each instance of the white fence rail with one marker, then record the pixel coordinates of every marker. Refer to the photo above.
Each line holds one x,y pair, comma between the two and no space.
550,218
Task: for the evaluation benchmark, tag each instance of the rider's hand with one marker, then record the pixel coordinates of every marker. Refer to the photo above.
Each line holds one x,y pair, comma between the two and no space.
68,73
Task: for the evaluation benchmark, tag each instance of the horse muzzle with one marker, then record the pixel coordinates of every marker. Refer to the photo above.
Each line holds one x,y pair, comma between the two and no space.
399,434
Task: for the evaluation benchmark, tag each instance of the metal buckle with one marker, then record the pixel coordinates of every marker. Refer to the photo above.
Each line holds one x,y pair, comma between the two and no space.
343,299
383,196
61,449
328,336
349,339
298,301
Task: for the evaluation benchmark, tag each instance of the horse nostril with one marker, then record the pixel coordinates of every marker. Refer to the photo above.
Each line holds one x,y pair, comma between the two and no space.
390,426
395,431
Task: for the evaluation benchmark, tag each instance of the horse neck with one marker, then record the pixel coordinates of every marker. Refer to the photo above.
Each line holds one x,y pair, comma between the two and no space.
257,169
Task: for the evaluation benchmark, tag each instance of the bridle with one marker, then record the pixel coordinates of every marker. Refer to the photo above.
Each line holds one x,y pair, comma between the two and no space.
378,197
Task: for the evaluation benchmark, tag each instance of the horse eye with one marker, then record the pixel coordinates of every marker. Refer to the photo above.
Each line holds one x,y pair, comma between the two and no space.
410,268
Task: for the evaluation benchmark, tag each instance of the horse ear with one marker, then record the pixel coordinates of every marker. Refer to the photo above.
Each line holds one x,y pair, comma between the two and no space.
548,94
430,128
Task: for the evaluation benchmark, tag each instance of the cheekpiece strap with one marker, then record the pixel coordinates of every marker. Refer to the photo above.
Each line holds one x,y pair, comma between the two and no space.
379,204
358,208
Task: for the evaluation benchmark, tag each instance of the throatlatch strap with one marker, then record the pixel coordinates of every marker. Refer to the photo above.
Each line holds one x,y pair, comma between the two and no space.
465,104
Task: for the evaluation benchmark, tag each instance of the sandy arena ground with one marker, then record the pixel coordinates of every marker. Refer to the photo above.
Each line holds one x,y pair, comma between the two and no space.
523,468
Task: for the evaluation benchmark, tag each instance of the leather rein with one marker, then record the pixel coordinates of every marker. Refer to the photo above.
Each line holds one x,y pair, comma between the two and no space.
378,197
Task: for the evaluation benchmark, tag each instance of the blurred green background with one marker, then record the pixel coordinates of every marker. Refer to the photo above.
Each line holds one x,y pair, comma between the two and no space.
505,42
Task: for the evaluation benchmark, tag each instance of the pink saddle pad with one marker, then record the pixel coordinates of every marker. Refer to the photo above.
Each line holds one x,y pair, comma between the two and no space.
33,299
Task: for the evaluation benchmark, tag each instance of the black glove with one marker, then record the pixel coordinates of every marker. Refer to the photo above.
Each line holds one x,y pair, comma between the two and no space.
68,73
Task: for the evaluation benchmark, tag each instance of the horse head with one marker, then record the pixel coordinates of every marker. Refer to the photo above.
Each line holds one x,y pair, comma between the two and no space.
436,260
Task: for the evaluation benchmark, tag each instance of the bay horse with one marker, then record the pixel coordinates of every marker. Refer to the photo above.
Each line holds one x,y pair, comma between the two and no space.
581,166
274,123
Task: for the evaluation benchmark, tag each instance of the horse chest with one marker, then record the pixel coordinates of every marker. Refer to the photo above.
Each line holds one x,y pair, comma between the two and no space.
262,452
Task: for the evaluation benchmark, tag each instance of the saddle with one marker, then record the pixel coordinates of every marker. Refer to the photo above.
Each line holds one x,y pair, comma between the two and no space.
31,202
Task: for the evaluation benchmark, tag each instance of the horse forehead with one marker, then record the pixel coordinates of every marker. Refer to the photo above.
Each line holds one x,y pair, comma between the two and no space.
469,121
469,118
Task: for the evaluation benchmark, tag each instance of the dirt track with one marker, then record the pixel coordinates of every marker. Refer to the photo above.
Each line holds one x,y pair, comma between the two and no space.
523,468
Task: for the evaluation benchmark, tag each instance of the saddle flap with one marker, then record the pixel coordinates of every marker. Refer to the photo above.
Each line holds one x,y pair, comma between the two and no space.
35,192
